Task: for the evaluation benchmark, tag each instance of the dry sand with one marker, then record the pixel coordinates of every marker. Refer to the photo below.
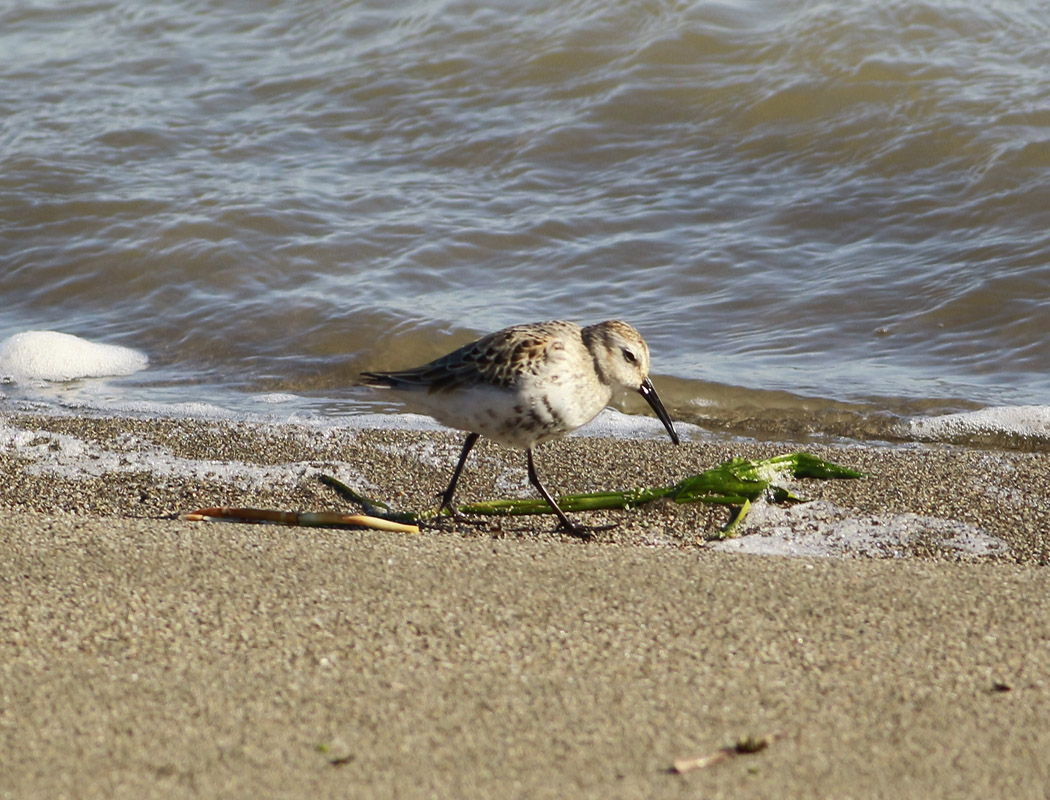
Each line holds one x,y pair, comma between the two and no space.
143,657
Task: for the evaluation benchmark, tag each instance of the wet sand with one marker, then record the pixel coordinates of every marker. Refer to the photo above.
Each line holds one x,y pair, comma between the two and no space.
146,656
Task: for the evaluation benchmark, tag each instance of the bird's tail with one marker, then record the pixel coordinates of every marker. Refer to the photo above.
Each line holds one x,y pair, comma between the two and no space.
380,380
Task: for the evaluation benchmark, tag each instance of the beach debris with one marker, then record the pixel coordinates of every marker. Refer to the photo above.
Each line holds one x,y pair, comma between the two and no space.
746,745
337,752
303,519
735,483
377,514
371,506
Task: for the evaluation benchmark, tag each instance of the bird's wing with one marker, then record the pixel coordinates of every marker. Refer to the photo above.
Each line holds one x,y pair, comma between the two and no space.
500,360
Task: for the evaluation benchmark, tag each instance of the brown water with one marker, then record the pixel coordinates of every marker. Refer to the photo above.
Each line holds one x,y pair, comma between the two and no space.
824,217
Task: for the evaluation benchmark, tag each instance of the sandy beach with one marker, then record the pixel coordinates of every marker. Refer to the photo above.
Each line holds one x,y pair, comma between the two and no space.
146,656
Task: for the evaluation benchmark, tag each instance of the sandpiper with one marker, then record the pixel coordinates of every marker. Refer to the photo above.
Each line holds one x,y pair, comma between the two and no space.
529,384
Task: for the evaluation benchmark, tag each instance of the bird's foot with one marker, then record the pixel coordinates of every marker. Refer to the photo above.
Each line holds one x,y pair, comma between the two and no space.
448,514
583,532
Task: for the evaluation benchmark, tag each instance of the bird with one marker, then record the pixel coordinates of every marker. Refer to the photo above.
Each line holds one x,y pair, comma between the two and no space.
529,384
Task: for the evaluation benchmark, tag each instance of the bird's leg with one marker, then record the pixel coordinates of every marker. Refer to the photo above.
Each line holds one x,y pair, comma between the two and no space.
566,524
446,498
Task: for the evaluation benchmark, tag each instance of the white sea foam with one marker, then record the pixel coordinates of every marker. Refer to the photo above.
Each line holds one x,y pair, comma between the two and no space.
1027,423
52,356
149,408
397,422
70,457
275,398
614,424
822,529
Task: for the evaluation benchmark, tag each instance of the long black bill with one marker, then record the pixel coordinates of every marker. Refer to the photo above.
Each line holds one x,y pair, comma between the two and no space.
647,391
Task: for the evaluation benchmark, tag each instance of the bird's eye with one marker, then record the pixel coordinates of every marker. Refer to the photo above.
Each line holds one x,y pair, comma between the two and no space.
630,357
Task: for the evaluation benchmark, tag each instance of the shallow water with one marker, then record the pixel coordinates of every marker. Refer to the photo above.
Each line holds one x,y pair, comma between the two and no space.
825,218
